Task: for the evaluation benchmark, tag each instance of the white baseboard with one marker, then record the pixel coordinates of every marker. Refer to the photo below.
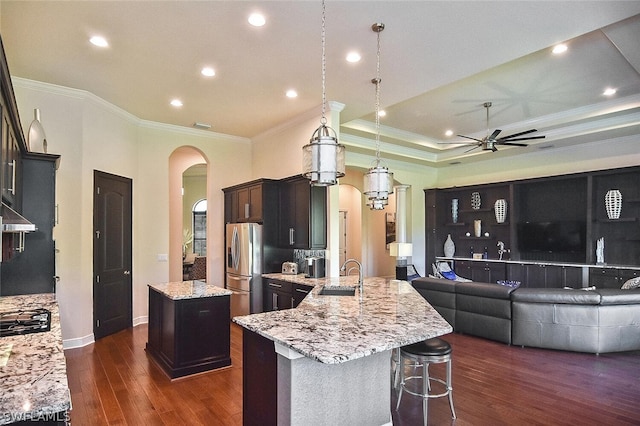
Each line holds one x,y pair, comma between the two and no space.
89,338
78,342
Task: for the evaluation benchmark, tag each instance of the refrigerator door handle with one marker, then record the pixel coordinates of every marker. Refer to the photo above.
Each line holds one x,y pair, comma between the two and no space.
235,248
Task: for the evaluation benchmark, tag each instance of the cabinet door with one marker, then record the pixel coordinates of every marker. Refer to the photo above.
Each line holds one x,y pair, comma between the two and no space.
604,278
277,295
10,164
303,215
255,203
299,293
571,276
230,206
243,208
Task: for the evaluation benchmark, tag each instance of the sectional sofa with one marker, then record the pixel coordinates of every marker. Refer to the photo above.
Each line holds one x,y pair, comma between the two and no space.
594,321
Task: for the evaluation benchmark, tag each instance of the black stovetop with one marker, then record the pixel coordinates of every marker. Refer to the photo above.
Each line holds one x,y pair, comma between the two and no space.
24,321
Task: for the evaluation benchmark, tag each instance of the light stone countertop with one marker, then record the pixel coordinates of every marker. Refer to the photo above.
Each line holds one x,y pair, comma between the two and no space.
336,329
192,289
33,382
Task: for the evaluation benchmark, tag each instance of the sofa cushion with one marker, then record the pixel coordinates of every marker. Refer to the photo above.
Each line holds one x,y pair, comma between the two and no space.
436,284
556,295
612,296
493,291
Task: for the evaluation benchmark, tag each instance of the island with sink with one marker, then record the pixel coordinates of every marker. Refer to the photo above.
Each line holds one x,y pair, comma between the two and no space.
327,361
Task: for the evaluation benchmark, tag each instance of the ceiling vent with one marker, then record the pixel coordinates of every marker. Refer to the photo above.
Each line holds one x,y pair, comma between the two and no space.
202,126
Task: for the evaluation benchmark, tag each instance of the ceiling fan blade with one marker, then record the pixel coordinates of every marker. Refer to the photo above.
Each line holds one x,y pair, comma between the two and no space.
469,150
493,148
502,141
515,135
494,134
456,143
513,144
469,137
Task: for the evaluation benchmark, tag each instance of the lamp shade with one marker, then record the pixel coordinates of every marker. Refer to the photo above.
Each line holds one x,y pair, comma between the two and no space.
323,158
378,183
400,249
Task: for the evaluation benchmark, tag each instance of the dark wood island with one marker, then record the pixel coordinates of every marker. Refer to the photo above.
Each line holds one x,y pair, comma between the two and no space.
189,327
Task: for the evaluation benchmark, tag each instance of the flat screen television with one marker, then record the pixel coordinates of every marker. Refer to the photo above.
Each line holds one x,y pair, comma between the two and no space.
552,237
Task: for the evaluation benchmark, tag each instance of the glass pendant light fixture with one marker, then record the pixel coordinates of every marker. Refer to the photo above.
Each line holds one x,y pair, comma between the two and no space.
323,157
378,181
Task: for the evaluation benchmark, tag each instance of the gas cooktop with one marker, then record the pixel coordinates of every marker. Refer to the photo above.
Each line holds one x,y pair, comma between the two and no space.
24,321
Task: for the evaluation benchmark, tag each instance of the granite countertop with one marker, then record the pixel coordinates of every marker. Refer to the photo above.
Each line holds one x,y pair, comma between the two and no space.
336,329
34,379
189,290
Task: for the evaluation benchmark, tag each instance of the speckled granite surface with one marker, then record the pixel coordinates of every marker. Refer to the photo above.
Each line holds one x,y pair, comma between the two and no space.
34,380
335,329
189,289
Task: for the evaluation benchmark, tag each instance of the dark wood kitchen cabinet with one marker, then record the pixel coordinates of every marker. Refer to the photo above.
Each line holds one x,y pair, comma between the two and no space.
259,380
251,202
611,277
188,336
540,275
488,272
303,214
33,269
279,295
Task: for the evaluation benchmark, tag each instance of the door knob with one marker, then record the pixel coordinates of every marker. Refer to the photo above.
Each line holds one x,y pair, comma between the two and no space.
127,272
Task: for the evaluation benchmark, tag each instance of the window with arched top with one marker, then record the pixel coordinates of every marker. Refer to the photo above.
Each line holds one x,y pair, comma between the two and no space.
200,228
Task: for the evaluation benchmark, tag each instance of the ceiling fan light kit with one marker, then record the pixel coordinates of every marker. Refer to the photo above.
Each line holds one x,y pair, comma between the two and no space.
491,141
378,181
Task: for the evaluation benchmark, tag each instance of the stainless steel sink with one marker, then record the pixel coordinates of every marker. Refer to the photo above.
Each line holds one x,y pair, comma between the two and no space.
334,290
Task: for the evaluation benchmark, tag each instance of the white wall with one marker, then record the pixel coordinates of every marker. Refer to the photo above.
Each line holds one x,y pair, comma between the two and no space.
91,134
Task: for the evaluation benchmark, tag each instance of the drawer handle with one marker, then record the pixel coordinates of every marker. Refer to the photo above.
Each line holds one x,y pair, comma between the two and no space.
275,285
302,291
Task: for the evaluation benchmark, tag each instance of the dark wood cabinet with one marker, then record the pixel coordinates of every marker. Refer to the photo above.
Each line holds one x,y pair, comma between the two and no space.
488,272
246,202
277,295
280,294
33,269
259,380
303,214
565,200
189,336
545,276
610,277
10,166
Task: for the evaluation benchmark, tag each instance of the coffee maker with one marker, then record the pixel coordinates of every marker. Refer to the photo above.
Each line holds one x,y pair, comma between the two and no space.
315,267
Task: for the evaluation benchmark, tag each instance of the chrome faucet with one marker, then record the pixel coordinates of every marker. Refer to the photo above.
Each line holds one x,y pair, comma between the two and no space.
344,268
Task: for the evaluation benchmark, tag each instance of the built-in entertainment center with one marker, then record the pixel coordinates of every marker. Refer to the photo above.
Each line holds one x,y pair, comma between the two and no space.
556,231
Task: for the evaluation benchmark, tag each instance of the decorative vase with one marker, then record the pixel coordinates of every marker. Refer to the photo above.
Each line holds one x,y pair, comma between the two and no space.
449,247
501,210
477,228
454,210
475,201
613,203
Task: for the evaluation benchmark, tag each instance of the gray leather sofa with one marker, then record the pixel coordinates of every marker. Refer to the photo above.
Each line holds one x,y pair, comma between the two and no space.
595,321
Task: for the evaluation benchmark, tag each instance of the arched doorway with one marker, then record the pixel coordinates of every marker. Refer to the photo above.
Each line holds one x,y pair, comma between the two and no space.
181,160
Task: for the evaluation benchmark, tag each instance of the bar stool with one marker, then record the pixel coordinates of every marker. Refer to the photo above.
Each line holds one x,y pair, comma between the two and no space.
431,351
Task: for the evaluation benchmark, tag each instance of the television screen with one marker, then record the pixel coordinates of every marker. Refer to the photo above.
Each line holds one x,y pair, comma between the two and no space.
552,237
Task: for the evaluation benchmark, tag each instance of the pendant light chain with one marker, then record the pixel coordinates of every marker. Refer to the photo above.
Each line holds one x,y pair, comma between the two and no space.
377,81
323,119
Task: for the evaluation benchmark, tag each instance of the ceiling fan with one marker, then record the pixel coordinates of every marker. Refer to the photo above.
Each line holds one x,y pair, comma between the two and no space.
490,142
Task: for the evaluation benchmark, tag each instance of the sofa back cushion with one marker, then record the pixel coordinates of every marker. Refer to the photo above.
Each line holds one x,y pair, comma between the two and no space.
610,296
556,295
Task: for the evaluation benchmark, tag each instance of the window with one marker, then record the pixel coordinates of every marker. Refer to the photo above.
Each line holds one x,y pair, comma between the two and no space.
200,228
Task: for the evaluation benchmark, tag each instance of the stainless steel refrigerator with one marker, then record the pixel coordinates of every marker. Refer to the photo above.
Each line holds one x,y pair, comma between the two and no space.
244,267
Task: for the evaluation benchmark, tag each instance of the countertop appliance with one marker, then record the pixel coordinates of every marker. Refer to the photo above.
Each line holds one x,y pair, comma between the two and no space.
315,267
244,267
24,321
290,268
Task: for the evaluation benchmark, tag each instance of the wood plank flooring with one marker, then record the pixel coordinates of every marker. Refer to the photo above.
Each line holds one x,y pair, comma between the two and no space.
113,382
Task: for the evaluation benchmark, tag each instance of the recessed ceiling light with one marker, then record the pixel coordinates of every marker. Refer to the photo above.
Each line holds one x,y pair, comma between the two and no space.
353,57
292,93
559,48
382,113
256,19
609,91
176,102
208,72
448,133
99,41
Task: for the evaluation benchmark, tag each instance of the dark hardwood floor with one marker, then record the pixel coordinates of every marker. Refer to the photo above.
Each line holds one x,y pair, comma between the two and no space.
113,382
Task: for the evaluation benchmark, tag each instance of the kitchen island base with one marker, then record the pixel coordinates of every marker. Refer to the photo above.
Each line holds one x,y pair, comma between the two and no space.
356,392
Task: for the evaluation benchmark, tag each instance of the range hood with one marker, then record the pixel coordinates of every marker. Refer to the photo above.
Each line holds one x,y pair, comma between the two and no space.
12,221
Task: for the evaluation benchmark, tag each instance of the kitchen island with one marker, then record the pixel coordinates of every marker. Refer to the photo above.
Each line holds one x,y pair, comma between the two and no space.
332,353
189,327
33,371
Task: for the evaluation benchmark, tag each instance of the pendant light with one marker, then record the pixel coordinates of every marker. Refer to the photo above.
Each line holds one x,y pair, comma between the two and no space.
378,181
323,157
